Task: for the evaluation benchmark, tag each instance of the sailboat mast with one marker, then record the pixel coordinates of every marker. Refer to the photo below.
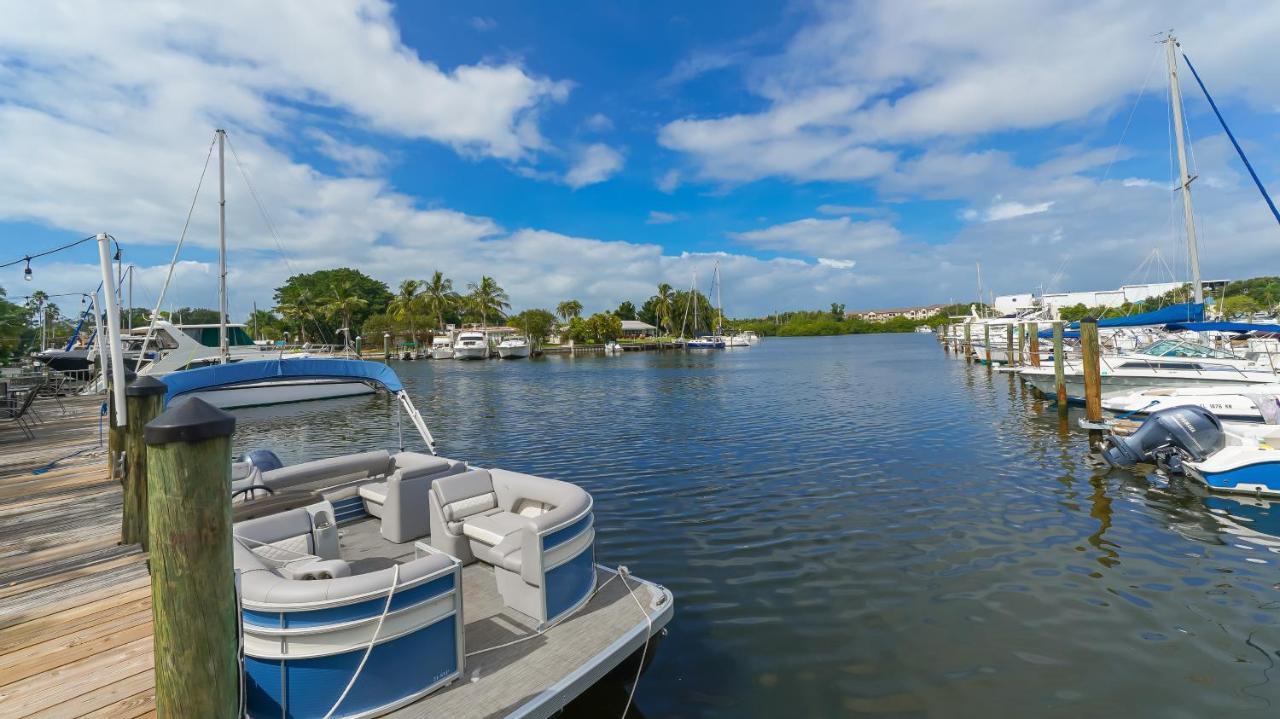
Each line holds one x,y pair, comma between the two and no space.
693,297
719,303
1184,180
223,349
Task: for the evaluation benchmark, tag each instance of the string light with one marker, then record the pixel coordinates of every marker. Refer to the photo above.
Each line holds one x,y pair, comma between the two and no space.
26,274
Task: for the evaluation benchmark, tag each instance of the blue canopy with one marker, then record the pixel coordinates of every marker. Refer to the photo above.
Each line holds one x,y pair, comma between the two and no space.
1222,327
1187,312
221,375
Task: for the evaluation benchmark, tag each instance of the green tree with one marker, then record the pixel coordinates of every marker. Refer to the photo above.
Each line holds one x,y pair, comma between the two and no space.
535,323
837,310
695,311
487,299
438,298
604,327
663,305
343,301
299,307
569,309
1239,305
312,293
625,311
406,304
264,324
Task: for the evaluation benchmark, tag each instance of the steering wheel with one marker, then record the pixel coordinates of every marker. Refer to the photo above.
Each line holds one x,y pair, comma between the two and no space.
251,488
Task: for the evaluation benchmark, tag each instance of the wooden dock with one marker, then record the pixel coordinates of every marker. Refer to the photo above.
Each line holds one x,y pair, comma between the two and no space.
75,605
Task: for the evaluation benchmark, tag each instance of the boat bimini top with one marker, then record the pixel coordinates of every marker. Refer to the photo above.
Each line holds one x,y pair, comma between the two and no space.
186,382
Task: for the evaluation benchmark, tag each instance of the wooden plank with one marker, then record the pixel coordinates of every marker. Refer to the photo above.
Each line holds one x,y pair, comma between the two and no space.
72,574
69,610
128,697
89,640
71,680
141,704
21,604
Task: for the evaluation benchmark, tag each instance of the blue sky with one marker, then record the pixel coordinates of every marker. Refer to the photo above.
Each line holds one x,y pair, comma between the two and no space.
863,153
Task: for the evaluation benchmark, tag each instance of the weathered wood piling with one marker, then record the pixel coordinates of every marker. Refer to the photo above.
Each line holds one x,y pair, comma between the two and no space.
1035,344
1059,370
986,343
192,587
144,400
1092,369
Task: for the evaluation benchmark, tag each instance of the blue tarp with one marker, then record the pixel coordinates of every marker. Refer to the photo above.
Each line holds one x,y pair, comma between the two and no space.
221,375
1188,312
1222,327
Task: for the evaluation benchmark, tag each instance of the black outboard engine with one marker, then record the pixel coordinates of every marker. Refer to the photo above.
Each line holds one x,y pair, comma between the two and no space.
1167,437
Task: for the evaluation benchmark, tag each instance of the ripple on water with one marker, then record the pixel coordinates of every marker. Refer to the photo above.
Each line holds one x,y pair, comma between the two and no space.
861,525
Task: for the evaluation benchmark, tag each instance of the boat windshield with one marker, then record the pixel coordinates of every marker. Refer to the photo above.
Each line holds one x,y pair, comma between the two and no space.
1183,348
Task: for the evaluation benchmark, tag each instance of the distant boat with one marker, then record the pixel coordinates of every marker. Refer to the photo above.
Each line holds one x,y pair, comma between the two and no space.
707,342
513,348
471,346
924,330
441,347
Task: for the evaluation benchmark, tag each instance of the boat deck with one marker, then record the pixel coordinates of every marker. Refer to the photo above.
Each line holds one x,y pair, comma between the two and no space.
75,605
501,677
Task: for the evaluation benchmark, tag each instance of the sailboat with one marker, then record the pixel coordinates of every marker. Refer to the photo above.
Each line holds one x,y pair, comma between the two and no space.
704,342
186,353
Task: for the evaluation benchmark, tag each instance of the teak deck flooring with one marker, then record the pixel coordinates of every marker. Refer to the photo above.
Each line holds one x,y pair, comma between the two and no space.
75,605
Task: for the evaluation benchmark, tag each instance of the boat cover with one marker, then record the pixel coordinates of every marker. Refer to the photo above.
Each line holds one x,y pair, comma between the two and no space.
1222,327
192,380
1186,312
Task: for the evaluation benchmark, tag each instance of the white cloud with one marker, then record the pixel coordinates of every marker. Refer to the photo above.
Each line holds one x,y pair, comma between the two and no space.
847,210
1009,210
357,159
483,24
599,122
661,218
863,80
669,181
823,238
836,264
1138,182
594,163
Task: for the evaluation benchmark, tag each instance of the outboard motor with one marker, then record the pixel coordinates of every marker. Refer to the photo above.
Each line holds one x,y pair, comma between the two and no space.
263,460
1167,436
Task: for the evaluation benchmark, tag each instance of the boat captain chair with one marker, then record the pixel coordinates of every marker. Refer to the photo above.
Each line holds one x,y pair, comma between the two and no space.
535,532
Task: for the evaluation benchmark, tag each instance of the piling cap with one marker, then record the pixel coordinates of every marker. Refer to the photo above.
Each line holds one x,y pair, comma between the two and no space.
191,421
129,375
1091,320
145,386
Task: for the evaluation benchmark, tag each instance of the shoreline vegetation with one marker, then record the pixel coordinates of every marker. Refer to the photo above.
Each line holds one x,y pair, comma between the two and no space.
316,306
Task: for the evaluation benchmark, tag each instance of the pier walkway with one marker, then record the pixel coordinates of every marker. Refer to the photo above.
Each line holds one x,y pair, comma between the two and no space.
75,605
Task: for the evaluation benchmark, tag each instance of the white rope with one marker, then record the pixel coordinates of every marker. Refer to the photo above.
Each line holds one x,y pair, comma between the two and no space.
395,579
648,638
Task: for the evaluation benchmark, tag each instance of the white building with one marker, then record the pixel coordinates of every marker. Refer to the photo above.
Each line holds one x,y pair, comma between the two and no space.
1055,301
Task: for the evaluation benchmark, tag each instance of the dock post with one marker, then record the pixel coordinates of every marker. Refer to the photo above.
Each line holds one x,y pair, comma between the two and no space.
193,598
967,348
1008,345
1034,344
1092,370
386,346
359,349
943,338
115,433
1059,370
143,401
986,343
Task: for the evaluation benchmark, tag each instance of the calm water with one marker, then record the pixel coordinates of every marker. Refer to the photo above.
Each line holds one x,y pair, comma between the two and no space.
863,526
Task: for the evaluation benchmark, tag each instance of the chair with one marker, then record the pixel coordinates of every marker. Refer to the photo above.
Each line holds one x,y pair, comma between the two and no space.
17,412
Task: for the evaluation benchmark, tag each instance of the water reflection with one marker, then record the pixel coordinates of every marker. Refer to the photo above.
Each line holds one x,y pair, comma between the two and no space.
864,525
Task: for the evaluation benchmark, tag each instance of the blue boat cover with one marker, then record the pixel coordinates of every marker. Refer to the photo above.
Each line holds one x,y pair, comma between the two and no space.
1222,327
1186,312
192,380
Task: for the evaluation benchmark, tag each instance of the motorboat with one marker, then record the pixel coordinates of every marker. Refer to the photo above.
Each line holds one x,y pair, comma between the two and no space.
441,347
1170,362
706,342
736,340
471,346
750,336
513,348
924,330
1250,403
1224,456
612,347
385,579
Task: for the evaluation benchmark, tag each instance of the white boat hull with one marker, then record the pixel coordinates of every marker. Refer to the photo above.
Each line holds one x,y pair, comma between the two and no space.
265,393
441,353
519,352
476,352
1042,379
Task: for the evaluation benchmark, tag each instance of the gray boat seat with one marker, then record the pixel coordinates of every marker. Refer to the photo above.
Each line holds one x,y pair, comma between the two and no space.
501,518
400,500
330,470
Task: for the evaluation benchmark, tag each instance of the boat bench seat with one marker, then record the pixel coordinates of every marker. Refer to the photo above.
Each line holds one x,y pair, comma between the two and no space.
525,527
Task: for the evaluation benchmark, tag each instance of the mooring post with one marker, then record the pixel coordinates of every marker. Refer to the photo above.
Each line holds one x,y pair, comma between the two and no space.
986,343
1092,369
386,346
359,349
115,432
1008,345
193,599
1059,370
945,338
1034,341
968,342
143,401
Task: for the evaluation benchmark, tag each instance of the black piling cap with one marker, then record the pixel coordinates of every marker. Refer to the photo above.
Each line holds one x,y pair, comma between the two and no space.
129,376
1090,320
145,386
192,421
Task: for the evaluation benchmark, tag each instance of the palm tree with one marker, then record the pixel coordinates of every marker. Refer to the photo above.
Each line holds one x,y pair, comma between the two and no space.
298,307
664,304
569,309
406,304
438,297
343,300
488,298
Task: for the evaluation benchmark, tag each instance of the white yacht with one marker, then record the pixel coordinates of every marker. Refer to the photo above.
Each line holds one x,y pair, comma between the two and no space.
441,347
1166,363
471,345
513,348
1251,403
